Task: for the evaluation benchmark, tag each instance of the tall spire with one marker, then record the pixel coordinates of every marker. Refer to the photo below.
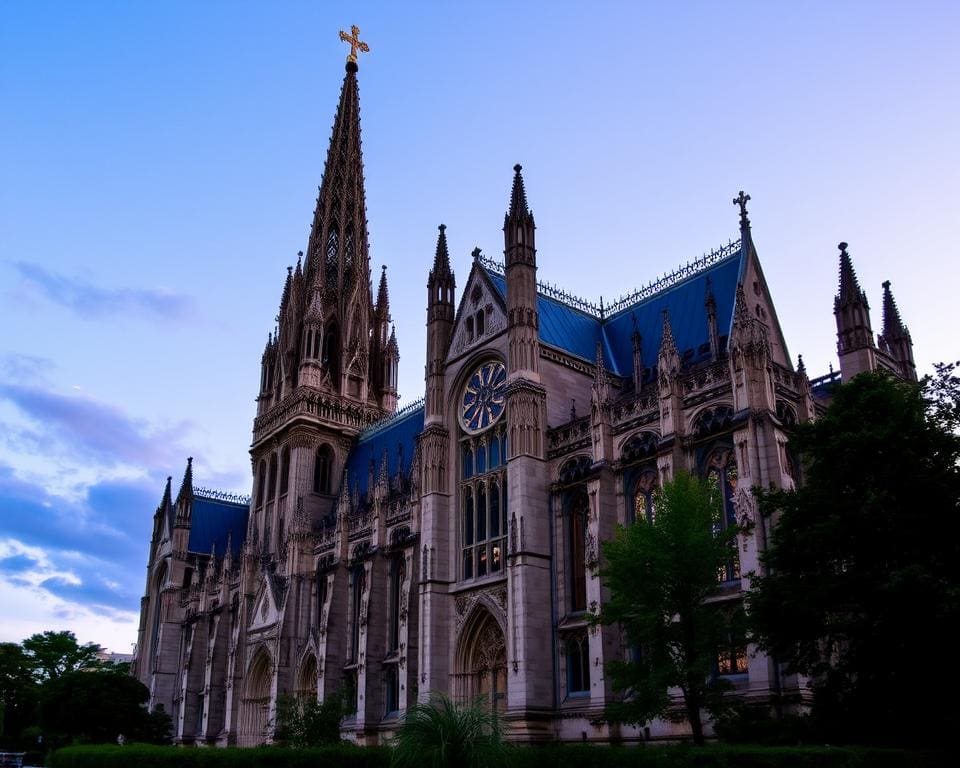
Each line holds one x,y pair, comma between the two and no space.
518,197
850,291
893,327
337,254
383,295
186,487
441,260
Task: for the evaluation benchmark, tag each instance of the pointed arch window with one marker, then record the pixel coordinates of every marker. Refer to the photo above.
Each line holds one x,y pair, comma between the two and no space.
721,473
397,574
322,469
577,650
644,489
272,486
578,507
358,583
261,482
285,471
483,504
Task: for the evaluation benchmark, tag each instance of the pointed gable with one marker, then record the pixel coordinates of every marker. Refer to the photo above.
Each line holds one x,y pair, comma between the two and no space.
482,312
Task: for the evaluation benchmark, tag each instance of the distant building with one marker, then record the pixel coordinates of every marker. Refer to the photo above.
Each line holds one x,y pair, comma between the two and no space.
453,546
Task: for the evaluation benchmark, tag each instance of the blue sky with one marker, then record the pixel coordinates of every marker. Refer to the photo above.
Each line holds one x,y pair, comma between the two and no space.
160,163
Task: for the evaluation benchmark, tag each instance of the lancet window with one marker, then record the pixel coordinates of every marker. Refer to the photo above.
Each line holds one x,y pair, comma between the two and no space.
577,650
483,503
578,508
322,466
721,472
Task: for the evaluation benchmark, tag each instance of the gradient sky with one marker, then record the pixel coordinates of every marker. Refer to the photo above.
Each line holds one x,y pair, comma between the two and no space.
160,164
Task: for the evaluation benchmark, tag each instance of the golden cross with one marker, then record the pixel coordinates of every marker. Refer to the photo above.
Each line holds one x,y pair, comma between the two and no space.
355,43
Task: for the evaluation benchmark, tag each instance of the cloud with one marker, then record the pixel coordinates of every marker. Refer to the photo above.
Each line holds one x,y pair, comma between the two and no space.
86,428
92,302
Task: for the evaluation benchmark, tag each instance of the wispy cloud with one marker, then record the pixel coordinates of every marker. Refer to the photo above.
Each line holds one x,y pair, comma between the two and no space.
93,302
87,429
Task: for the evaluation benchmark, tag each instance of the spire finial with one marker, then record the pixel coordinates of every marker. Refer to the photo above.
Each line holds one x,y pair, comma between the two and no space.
355,43
441,260
518,196
741,200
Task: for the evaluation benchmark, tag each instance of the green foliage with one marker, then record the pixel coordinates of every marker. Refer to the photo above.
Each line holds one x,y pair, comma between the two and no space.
441,734
308,722
145,756
860,590
659,575
18,693
97,706
550,756
53,654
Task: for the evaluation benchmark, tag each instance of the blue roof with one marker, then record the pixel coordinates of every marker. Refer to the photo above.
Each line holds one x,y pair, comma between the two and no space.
395,434
212,521
578,332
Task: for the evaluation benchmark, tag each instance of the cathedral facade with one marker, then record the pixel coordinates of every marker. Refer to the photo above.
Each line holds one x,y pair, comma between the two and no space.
454,546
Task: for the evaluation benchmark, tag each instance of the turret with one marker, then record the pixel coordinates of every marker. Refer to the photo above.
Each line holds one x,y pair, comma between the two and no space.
441,287
520,257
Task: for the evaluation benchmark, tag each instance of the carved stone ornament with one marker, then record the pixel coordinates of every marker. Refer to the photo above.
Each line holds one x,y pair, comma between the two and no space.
745,509
592,552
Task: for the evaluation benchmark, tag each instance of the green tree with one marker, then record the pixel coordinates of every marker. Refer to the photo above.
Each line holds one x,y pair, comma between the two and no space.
91,705
861,590
441,734
660,575
306,722
18,692
53,654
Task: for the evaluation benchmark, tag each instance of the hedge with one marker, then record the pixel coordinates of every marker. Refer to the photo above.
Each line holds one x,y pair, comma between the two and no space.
549,756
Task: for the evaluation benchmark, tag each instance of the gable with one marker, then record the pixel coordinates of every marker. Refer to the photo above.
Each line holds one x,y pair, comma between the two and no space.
266,612
481,314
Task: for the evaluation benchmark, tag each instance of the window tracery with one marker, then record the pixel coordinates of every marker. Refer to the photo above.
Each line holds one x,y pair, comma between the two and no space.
483,502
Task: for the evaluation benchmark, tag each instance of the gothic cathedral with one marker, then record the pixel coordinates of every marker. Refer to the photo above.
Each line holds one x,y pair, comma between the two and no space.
453,546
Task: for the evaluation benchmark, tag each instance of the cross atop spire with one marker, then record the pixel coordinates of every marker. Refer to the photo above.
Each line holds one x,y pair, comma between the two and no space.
356,44
742,201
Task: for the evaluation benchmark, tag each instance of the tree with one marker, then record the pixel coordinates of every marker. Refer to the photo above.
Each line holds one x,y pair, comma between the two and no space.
18,692
53,654
861,590
659,575
441,734
96,706
306,722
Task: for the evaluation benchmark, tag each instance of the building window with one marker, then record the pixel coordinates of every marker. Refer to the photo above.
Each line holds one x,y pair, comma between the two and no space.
358,581
392,692
285,471
483,503
322,465
397,573
350,692
643,492
577,535
321,594
272,487
578,665
722,476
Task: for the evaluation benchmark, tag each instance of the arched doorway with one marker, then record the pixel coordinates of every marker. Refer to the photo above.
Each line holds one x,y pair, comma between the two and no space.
307,681
482,661
255,717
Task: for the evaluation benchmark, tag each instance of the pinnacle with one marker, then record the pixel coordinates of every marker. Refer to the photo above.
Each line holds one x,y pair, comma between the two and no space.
850,291
383,295
186,487
441,261
893,327
518,196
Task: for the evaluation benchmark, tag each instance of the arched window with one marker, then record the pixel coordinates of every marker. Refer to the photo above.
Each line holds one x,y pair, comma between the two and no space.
330,359
358,583
721,471
261,482
578,665
322,469
483,504
397,574
272,485
285,471
481,661
578,506
157,610
644,489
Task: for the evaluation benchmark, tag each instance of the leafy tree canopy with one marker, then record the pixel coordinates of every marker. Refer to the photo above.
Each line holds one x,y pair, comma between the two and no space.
17,690
53,654
659,575
91,705
308,722
861,590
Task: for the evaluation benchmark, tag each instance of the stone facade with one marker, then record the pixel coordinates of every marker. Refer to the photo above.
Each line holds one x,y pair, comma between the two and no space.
454,546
